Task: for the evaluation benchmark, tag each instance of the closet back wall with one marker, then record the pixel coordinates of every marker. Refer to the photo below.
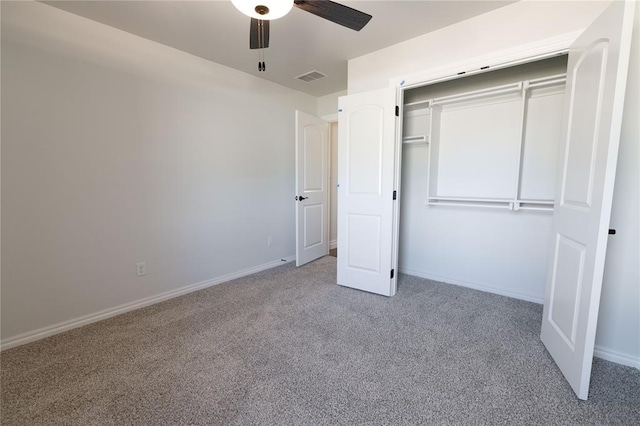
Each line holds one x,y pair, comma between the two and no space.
492,248
118,150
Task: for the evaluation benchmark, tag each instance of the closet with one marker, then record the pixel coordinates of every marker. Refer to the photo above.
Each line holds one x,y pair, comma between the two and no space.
472,202
479,159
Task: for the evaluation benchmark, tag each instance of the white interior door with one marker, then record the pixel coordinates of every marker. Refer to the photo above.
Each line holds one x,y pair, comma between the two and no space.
312,232
596,79
366,172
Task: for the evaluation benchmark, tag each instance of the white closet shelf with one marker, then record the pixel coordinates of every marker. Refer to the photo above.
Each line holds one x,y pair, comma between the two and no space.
540,205
543,202
496,203
482,93
504,205
552,80
418,139
479,200
538,208
417,103
507,103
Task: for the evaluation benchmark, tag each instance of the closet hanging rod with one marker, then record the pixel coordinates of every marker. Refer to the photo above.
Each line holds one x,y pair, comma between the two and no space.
460,204
497,204
493,200
538,82
540,208
415,139
544,202
473,200
549,77
555,82
409,104
493,91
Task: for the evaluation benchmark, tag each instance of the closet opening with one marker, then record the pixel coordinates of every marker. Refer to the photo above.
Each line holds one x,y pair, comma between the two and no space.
478,178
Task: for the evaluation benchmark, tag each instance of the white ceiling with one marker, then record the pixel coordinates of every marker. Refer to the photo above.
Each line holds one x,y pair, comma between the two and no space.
299,42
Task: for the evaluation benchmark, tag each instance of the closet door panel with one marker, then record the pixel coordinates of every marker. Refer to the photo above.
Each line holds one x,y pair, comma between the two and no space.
597,75
366,170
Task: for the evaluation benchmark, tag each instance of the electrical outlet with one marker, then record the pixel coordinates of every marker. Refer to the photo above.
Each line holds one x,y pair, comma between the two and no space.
269,241
141,268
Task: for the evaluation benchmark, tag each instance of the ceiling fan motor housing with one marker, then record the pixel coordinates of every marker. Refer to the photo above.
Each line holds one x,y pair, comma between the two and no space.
262,9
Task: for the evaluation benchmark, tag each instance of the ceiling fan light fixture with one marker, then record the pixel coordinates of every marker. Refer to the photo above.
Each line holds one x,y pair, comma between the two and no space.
264,9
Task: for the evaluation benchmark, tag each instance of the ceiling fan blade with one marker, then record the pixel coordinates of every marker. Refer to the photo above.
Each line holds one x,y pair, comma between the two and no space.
335,12
259,34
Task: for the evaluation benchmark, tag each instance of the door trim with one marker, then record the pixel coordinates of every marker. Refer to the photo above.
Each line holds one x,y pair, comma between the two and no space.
521,54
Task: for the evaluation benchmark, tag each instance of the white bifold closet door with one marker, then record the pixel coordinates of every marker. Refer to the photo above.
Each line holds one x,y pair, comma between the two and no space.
366,201
594,98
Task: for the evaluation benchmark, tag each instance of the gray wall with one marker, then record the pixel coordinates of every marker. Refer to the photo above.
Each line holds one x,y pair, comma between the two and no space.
117,150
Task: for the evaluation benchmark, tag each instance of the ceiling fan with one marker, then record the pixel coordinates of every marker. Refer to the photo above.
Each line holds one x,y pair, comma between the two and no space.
263,11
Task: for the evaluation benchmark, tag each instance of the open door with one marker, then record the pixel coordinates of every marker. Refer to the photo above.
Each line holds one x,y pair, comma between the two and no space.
312,167
596,80
366,193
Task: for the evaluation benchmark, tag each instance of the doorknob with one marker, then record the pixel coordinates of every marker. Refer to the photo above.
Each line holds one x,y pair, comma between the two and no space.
300,198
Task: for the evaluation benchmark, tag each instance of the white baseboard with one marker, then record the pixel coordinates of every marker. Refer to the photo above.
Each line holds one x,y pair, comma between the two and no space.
473,285
41,333
617,357
599,352
333,244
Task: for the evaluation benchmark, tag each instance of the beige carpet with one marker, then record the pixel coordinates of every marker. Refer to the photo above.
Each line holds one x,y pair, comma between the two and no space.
288,346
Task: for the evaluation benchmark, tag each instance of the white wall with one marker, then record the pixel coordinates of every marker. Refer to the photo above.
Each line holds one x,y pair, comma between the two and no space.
117,150
503,29
507,29
328,106
619,319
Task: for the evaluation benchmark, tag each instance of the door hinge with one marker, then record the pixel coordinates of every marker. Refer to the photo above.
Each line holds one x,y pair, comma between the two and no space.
392,273
395,195
397,111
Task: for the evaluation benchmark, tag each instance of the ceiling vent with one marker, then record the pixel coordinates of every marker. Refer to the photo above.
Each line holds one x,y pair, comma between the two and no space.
310,76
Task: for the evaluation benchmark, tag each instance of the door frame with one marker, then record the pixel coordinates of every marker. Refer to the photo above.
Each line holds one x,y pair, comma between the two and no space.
530,52
526,53
330,119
